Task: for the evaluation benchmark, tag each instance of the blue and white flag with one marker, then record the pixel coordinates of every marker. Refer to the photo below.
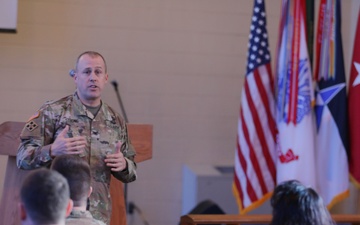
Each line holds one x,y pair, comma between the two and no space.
331,106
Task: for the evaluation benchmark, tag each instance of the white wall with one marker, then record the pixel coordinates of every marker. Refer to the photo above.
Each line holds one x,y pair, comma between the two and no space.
179,65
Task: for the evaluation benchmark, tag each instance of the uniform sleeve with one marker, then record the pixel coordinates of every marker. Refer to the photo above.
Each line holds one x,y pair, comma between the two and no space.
129,174
35,141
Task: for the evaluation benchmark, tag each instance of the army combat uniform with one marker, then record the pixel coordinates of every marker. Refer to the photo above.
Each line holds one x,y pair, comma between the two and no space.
102,132
77,217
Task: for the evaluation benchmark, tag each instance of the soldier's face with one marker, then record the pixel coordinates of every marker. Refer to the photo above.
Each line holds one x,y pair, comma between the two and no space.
90,79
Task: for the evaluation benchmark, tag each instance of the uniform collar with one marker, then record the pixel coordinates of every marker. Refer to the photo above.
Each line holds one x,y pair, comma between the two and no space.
81,110
80,214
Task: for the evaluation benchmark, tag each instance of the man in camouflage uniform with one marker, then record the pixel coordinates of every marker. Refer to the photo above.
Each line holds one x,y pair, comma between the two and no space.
77,173
81,124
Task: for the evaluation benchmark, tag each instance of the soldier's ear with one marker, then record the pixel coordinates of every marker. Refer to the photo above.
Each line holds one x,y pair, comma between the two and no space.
90,191
69,207
106,77
22,211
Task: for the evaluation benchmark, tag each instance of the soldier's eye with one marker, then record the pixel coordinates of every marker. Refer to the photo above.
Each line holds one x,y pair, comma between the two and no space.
87,72
98,72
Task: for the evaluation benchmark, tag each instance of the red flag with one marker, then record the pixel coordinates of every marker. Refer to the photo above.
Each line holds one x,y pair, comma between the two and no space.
354,109
255,174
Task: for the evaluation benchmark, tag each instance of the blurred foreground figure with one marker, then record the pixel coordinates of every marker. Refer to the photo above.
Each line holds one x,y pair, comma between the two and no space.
295,204
44,198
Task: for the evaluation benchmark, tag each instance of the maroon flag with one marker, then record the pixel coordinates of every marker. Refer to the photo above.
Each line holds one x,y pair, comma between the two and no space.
354,109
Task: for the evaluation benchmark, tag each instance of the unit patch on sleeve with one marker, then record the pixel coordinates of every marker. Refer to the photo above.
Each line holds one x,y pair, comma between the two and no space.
31,125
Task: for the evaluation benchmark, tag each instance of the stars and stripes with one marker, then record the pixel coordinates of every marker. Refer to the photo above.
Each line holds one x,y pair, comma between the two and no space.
255,171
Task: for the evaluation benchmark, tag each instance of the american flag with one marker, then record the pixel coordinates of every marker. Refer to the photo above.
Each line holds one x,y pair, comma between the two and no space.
255,173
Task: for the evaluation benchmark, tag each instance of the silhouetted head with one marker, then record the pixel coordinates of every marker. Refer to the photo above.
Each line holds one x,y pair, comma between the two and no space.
295,204
45,197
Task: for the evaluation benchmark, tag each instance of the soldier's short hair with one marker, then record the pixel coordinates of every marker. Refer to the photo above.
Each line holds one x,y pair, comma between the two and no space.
77,172
45,196
91,54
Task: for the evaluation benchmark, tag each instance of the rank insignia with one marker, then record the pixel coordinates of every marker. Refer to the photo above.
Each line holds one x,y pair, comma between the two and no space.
31,125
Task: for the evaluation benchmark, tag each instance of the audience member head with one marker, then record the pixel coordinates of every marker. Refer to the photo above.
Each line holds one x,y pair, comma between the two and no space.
295,204
77,172
44,198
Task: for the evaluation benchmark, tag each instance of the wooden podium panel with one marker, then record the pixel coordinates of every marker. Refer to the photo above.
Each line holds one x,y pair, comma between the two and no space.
140,136
141,139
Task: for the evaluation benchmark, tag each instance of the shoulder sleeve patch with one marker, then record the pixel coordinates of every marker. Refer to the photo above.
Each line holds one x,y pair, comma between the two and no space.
31,125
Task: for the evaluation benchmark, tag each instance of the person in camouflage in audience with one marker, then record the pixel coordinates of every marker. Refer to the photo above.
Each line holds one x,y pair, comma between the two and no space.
78,175
82,124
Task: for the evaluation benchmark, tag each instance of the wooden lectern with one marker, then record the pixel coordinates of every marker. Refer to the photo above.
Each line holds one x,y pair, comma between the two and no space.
140,136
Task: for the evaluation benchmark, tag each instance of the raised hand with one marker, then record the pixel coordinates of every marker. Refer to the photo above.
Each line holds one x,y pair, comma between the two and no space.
68,145
116,161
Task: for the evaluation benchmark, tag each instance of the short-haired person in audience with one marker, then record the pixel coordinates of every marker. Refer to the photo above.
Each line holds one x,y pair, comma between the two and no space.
77,173
295,204
44,198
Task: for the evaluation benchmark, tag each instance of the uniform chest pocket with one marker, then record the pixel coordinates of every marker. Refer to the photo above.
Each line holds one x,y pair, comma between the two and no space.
106,134
77,127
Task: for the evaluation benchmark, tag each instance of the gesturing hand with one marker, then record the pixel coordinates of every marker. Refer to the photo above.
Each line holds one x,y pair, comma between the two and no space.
116,161
68,145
